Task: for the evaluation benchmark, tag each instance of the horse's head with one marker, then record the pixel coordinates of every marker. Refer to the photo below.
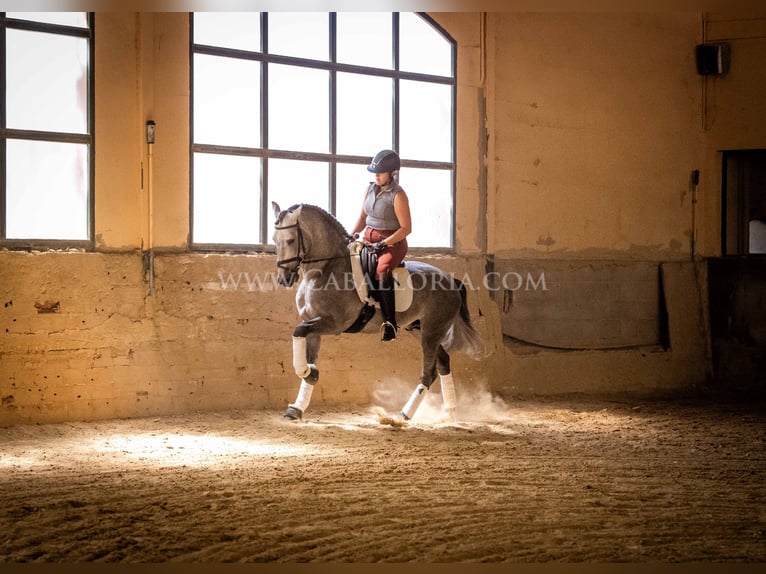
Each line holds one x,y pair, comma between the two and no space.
289,241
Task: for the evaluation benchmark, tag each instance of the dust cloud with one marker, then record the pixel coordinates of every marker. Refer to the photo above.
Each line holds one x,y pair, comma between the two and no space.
475,403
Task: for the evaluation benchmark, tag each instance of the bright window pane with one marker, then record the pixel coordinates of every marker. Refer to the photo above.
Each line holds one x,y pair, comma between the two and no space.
430,195
298,108
227,95
47,82
294,181
364,39
426,120
227,199
352,182
757,232
365,123
77,19
237,30
299,34
422,48
47,190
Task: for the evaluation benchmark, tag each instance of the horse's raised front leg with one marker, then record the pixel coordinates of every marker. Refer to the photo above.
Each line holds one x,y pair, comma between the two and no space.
305,352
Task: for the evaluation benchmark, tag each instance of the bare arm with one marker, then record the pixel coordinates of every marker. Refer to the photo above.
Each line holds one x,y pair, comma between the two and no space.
402,210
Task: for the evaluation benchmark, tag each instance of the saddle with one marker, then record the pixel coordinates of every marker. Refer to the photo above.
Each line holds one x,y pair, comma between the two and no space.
364,264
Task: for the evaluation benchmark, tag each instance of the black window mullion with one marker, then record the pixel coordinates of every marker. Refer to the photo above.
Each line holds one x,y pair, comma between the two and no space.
192,52
91,127
319,64
395,56
264,127
59,29
35,135
333,113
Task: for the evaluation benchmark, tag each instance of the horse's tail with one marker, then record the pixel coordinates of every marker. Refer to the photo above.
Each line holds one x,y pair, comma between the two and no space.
461,335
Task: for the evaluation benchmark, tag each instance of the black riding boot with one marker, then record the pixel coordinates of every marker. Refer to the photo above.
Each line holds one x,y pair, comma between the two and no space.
388,308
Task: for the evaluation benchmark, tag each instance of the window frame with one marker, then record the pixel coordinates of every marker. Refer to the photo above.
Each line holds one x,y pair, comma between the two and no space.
332,158
87,138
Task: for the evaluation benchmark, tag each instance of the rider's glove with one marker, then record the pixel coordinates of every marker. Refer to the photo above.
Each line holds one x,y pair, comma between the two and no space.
379,247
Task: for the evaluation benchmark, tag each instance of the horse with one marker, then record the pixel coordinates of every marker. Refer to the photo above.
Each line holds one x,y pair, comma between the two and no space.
313,244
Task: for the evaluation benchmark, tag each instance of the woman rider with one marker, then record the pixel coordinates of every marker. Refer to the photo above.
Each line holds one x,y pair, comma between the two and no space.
386,216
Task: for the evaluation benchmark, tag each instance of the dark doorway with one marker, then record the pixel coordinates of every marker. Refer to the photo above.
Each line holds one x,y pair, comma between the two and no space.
737,280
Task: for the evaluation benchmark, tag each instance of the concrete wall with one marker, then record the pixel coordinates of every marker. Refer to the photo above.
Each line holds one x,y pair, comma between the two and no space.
576,137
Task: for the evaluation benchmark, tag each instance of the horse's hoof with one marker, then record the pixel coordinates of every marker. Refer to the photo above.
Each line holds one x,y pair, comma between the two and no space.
293,414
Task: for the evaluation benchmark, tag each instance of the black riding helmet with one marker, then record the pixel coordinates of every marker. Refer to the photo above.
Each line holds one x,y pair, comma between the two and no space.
385,162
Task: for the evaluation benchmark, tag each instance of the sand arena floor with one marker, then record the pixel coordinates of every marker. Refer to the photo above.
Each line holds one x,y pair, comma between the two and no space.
526,480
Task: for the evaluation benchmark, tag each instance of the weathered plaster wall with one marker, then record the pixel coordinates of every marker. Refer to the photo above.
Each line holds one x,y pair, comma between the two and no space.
594,123
120,216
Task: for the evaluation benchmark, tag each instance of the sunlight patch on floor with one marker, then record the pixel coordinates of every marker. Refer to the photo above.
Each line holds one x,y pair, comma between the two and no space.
160,449
192,450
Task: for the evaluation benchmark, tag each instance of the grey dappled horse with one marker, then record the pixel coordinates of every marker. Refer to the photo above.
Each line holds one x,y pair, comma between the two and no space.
311,240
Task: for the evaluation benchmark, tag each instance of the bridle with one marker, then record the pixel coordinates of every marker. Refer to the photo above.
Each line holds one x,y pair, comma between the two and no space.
299,255
282,263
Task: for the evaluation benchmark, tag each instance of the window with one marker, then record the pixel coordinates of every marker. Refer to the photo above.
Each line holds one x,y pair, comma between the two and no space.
46,120
291,106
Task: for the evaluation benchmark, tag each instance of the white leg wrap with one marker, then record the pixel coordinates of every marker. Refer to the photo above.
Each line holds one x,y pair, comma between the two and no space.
300,364
448,391
304,397
412,405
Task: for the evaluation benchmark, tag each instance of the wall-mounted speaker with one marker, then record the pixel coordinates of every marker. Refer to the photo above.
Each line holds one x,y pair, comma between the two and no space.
713,59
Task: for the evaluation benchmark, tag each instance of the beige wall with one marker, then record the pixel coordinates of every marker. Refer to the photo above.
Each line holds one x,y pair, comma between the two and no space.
118,110
596,129
142,73
576,137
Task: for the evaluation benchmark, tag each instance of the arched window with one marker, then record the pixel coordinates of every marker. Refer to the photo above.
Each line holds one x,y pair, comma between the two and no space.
46,127
291,106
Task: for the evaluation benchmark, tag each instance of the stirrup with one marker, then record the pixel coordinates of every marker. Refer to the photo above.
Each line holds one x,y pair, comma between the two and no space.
387,331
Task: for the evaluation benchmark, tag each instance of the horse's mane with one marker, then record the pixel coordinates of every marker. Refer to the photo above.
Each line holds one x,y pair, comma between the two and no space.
327,215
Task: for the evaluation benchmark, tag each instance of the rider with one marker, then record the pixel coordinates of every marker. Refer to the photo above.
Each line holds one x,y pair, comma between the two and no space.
386,215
